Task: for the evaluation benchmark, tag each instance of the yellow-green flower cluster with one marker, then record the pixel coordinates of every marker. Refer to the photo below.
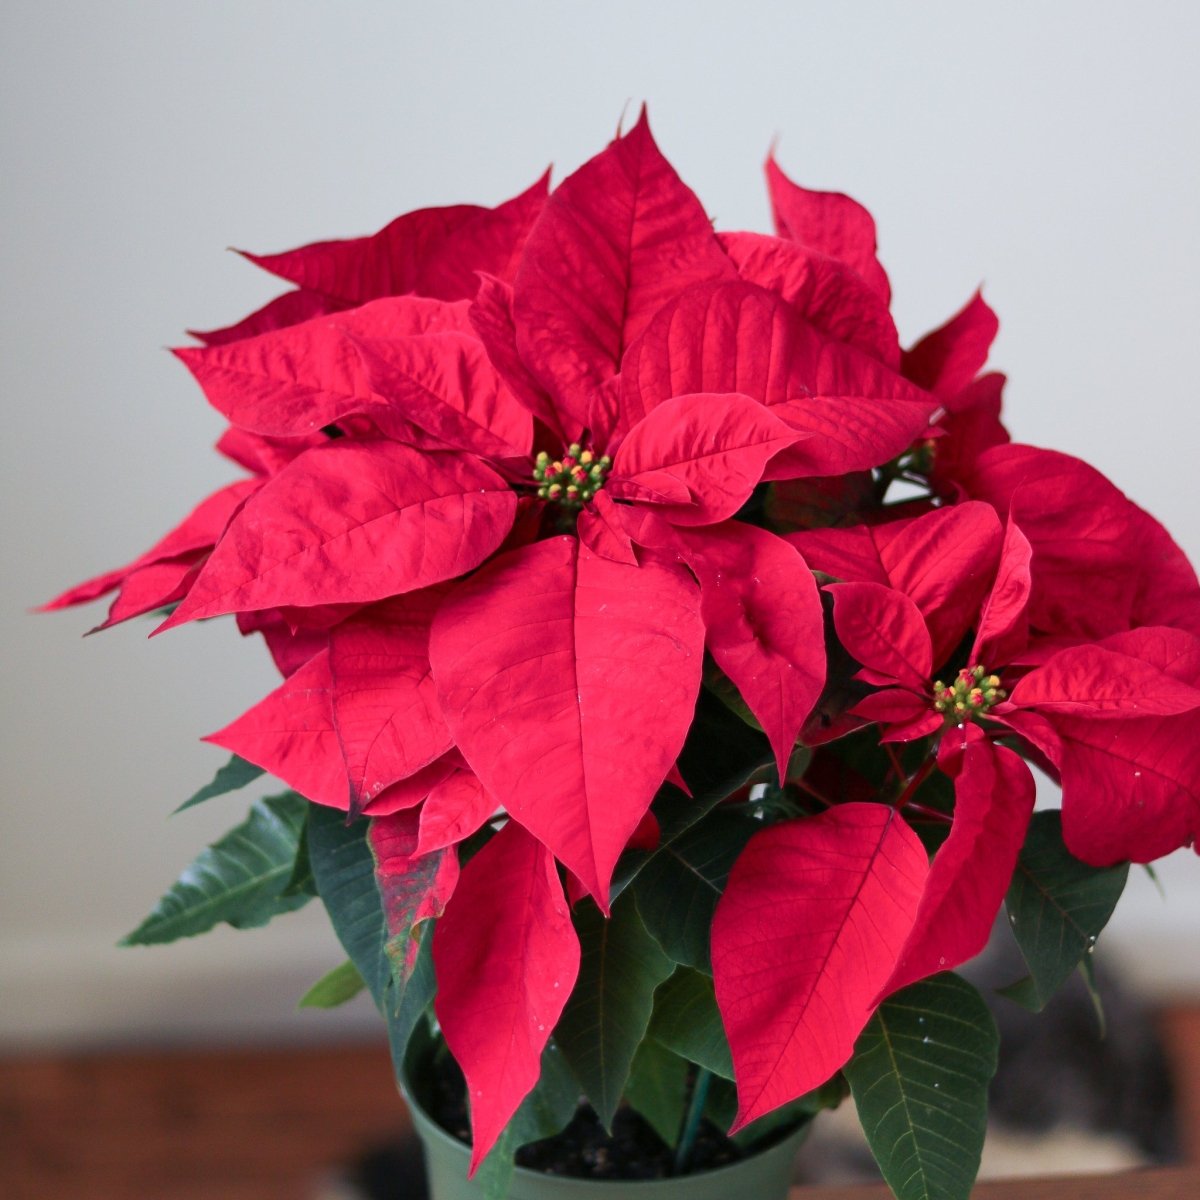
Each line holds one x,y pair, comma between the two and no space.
573,479
972,694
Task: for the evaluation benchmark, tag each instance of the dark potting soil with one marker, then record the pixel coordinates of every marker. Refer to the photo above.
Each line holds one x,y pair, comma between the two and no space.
633,1151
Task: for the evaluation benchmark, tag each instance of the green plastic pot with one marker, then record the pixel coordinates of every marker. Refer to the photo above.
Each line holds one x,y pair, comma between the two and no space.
762,1176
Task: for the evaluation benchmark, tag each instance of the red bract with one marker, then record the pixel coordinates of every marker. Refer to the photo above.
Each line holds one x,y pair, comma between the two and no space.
506,958
1106,700
807,932
534,488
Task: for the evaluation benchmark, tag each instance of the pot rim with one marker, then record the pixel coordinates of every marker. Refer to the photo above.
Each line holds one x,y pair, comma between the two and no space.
427,1127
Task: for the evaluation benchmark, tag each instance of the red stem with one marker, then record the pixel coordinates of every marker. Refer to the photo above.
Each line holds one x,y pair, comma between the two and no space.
930,814
914,784
812,791
897,766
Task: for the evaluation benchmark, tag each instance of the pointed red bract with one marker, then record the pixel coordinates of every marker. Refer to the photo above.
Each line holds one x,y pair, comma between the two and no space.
193,537
1002,631
492,320
354,522
993,801
804,937
763,625
289,648
1130,788
943,561
413,886
735,337
506,958
830,295
568,681
410,792
445,384
617,240
1131,572
947,359
384,700
716,447
1096,682
291,734
970,426
293,382
433,252
454,810
829,222
289,309
884,631
152,587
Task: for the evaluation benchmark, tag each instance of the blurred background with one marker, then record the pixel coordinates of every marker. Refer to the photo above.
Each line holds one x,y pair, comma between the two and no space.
1045,151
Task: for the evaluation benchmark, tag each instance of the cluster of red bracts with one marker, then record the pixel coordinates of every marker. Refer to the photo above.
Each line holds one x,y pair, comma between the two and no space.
459,640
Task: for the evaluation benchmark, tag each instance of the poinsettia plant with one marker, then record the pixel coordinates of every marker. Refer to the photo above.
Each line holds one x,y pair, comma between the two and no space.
665,651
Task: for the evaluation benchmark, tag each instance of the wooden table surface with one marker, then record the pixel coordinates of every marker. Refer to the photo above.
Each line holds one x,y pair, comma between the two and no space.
275,1124
1169,1183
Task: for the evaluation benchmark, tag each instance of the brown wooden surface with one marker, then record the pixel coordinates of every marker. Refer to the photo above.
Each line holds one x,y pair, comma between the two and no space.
1181,1032
212,1125
274,1124
1172,1183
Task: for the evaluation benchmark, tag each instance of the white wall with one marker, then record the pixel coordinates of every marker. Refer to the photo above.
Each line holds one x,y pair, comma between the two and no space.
1049,150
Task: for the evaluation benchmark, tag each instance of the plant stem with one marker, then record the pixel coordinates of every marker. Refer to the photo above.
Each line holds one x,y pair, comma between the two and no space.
914,784
894,758
691,1120
809,790
929,814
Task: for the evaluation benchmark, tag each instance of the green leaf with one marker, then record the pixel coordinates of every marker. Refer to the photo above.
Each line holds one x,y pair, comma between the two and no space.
657,1088
720,755
1152,874
919,1076
609,1009
235,774
726,691
406,1004
302,882
543,1113
239,879
1057,907
687,1021
722,1108
336,987
344,870
678,889
1088,971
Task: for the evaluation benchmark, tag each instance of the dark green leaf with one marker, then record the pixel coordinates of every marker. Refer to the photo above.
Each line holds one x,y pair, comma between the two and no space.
687,1021
1057,907
657,1088
720,755
405,1004
302,882
235,774
919,1076
726,691
1154,879
239,879
345,873
678,889
608,1012
344,870
339,985
722,1108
